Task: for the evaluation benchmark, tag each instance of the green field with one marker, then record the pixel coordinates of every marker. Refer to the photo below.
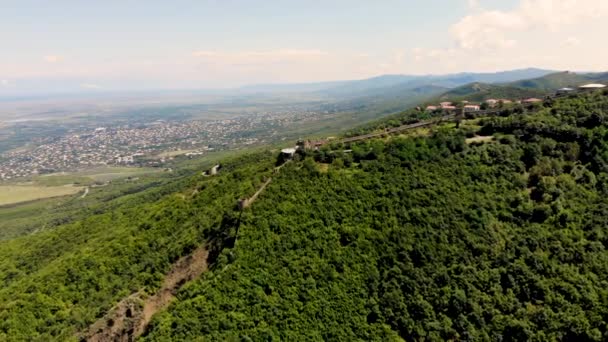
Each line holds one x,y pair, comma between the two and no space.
11,194
86,177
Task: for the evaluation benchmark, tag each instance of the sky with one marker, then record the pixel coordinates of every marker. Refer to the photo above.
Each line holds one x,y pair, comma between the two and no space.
181,44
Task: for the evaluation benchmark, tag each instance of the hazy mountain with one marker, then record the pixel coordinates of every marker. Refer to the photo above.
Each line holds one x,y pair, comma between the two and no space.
392,82
387,94
20,88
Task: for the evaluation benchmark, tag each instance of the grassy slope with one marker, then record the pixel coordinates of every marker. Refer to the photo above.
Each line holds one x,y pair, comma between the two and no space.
11,194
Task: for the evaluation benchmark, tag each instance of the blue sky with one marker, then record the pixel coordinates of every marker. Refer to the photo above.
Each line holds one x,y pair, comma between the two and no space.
223,43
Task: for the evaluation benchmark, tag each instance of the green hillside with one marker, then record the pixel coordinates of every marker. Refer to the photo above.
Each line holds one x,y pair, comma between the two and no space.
536,87
429,237
423,239
552,82
478,92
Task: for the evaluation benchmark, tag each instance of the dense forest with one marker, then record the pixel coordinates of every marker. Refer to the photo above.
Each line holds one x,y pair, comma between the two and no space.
431,237
423,238
54,284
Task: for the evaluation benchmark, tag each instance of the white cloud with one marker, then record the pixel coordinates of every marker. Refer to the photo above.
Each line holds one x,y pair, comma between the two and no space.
488,29
53,58
553,14
499,29
4,83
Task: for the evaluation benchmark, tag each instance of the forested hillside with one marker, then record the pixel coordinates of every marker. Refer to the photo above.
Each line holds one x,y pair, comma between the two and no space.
56,283
425,237
480,92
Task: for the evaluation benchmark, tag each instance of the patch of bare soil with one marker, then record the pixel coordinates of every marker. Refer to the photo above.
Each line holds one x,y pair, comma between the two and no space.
479,139
129,318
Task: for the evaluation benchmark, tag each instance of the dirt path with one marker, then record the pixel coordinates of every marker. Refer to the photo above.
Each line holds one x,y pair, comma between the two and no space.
130,317
86,192
246,203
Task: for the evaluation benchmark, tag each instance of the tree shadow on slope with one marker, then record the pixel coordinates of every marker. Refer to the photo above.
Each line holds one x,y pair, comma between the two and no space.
224,236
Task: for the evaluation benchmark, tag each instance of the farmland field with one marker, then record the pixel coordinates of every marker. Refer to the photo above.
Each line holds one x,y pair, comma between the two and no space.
11,194
87,177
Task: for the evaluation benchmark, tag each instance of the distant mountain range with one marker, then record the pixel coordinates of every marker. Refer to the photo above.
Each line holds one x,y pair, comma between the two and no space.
386,94
377,96
392,83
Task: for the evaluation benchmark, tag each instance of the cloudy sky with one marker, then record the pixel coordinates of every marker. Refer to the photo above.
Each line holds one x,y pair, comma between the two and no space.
115,44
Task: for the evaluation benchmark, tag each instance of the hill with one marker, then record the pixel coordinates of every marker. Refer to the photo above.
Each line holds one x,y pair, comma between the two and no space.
525,88
380,96
559,80
377,97
423,238
427,237
479,92
377,103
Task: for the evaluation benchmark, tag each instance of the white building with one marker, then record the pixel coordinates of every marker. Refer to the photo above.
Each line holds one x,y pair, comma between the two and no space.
592,86
214,170
288,152
492,102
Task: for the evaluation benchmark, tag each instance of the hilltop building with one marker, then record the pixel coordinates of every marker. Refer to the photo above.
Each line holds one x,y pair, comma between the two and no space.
491,102
564,91
288,153
310,144
214,170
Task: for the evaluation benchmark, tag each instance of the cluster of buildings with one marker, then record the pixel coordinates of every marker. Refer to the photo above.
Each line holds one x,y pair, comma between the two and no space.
493,103
475,107
137,144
